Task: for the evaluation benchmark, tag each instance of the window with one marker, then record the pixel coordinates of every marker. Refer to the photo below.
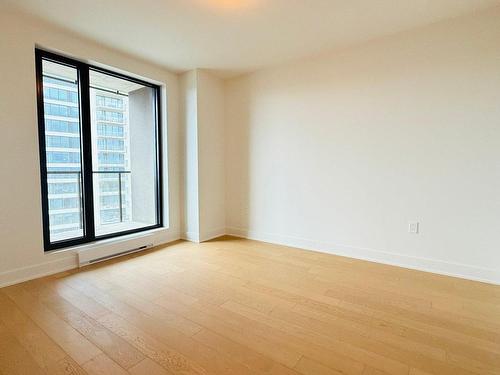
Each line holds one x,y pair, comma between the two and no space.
99,152
59,126
62,142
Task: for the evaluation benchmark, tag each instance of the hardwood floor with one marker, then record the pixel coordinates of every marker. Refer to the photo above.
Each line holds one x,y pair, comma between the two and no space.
233,306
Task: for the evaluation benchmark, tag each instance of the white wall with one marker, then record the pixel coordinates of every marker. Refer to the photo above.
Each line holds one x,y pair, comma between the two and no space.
21,249
211,155
202,118
335,153
189,140
339,152
141,123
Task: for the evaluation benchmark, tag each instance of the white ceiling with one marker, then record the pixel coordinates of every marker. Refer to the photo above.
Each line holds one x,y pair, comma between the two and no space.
235,36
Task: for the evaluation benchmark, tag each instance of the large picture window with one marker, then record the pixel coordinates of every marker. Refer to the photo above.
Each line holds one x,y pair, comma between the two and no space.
99,134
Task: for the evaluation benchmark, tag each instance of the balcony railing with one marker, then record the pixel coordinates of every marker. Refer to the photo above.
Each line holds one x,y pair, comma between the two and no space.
120,178
80,187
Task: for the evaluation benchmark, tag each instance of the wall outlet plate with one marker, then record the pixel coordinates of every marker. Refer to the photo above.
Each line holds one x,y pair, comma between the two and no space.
413,227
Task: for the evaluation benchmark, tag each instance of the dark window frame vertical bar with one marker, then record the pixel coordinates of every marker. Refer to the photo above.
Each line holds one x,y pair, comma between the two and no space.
42,149
159,158
83,70
40,56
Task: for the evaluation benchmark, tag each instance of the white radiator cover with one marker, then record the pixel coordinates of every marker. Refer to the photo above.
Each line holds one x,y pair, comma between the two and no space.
113,248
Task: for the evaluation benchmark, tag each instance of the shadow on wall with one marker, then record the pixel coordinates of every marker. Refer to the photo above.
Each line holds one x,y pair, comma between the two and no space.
343,151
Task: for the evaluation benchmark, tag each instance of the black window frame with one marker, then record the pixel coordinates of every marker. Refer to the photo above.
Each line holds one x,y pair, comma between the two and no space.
83,70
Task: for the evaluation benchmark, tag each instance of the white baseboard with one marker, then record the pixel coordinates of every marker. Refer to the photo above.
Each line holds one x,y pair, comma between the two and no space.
21,274
70,259
211,234
487,275
191,236
121,245
203,236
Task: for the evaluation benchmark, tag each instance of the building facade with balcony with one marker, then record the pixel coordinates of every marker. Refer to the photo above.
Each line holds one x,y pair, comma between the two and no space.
110,144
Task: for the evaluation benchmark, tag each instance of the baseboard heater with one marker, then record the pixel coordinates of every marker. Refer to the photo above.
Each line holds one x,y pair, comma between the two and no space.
88,257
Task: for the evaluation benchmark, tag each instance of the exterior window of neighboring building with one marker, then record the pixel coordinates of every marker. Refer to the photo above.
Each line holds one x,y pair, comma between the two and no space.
99,151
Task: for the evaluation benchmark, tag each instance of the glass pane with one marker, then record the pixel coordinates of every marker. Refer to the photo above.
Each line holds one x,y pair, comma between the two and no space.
123,117
63,151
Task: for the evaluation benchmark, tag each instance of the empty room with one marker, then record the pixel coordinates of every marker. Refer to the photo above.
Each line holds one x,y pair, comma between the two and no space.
245,187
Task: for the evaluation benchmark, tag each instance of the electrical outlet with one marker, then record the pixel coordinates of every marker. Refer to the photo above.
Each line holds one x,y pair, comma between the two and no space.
413,227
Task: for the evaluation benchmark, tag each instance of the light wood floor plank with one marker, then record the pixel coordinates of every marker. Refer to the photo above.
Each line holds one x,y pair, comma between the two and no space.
171,360
233,306
44,351
308,366
72,342
148,367
103,365
66,366
146,332
115,347
14,359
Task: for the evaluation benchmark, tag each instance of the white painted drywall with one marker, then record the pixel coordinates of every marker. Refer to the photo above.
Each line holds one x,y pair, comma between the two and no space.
202,118
211,155
339,152
335,153
189,140
240,35
21,249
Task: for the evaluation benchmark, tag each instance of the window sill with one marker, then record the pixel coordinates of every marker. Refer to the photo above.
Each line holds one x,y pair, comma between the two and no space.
111,242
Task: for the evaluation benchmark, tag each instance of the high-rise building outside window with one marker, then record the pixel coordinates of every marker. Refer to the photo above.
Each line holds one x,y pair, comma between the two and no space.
100,152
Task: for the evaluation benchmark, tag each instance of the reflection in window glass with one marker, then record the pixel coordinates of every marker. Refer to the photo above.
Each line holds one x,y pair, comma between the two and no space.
123,117
99,152
62,142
